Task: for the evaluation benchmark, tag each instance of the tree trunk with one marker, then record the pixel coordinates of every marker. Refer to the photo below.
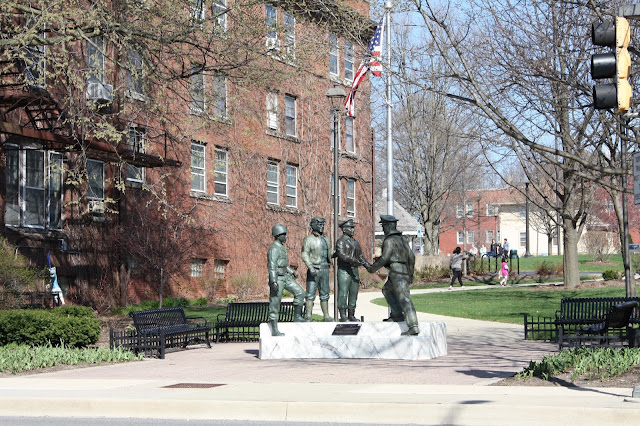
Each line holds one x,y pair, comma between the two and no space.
430,239
570,259
550,244
161,287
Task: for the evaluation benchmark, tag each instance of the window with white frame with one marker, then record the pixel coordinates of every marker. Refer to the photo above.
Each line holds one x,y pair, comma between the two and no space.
34,59
469,210
95,59
460,239
459,211
333,54
95,177
523,239
198,167
219,13
196,9
197,267
490,236
339,194
135,74
273,183
219,268
348,60
220,95
220,172
135,143
290,115
351,198
292,186
290,35
197,88
271,18
349,143
491,210
523,212
272,111
33,185
471,235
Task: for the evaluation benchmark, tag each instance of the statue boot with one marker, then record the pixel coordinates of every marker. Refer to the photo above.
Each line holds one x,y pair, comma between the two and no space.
273,325
324,304
309,316
343,315
395,318
412,323
352,315
297,314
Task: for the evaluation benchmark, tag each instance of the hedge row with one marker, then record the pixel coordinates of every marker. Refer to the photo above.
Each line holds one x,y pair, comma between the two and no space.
74,326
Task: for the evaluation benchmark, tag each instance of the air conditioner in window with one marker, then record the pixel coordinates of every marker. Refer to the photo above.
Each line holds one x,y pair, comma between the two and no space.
96,207
100,92
273,43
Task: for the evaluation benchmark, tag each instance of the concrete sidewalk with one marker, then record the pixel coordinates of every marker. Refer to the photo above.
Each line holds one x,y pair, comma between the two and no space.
230,382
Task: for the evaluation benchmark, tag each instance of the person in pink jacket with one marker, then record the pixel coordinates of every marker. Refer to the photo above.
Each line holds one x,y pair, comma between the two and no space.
504,272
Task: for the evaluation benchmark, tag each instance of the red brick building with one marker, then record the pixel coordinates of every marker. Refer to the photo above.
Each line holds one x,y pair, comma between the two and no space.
180,182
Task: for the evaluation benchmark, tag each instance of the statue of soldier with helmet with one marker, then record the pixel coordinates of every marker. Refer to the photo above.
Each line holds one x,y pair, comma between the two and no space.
399,259
281,276
316,254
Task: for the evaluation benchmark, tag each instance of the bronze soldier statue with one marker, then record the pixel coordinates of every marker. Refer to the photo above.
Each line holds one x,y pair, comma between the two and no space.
316,255
350,258
281,276
399,259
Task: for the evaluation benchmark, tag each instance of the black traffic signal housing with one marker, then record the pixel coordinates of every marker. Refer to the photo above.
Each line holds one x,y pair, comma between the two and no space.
615,64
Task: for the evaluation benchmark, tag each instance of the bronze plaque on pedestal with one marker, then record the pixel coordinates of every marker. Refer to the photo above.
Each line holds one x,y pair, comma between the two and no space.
346,329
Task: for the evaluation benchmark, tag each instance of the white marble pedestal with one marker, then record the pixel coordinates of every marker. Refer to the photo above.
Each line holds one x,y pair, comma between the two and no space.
380,340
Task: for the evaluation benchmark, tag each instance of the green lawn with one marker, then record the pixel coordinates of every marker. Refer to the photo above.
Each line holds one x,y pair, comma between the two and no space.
586,263
501,304
209,313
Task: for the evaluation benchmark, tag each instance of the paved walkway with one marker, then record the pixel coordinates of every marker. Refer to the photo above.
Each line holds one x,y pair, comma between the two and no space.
230,382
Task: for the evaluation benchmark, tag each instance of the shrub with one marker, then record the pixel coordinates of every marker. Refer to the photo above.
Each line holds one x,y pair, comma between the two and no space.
611,274
73,326
170,302
15,276
548,268
431,273
202,301
246,287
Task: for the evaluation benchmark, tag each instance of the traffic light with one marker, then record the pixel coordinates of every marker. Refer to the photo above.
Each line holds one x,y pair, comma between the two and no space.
615,64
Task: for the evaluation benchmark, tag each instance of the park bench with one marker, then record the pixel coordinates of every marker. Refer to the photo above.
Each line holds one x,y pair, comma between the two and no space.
598,321
163,328
242,320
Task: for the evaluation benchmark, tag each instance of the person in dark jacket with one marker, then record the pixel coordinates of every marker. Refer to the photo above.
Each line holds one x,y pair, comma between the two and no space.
455,264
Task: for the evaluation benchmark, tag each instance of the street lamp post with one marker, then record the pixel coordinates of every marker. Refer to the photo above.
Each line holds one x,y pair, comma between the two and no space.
336,97
527,253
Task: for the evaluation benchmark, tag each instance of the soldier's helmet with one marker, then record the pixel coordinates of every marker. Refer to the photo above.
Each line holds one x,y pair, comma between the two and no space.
278,230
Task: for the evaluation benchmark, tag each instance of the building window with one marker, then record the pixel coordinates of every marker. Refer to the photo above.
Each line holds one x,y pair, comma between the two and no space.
219,13
135,74
490,236
197,167
197,10
491,210
135,143
196,267
197,88
349,142
471,237
271,18
292,186
273,181
523,239
220,172
333,54
34,62
290,35
351,198
523,212
460,239
469,210
219,267
290,115
95,177
95,59
459,211
272,111
220,95
33,188
348,60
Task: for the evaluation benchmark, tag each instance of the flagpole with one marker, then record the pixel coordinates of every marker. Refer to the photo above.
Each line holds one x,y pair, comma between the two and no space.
388,7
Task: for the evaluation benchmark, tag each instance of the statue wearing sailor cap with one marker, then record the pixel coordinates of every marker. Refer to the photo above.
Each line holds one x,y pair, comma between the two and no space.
399,259
350,258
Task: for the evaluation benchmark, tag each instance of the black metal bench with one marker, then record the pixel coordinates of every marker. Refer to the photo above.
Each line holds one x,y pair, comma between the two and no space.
242,320
168,328
595,321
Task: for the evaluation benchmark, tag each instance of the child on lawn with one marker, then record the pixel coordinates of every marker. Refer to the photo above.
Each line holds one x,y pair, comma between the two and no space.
504,272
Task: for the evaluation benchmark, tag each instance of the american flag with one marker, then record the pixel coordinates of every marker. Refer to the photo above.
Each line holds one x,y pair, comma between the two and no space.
370,62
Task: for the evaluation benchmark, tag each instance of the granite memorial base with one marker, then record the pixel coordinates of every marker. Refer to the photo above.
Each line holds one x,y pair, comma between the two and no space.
379,340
